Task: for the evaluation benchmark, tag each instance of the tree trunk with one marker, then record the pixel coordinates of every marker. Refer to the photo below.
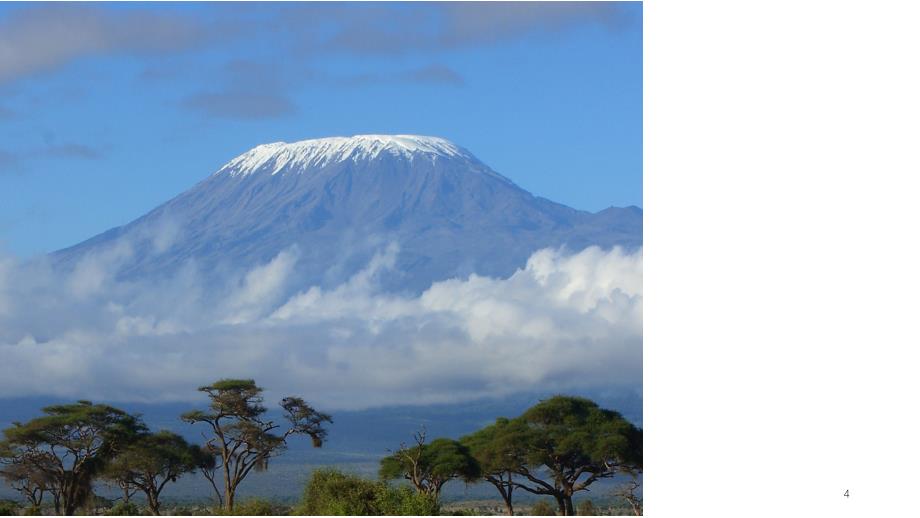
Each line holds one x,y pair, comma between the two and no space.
509,506
504,491
153,503
228,488
67,507
437,490
560,501
70,498
569,508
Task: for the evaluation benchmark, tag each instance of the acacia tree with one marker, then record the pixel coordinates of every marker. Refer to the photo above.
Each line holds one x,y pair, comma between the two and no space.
242,439
151,462
627,492
30,482
68,447
576,443
501,452
429,466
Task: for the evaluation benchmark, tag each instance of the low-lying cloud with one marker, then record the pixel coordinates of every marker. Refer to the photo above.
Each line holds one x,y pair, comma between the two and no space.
564,322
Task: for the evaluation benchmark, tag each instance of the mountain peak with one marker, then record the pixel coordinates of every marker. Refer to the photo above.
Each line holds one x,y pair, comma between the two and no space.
324,151
338,201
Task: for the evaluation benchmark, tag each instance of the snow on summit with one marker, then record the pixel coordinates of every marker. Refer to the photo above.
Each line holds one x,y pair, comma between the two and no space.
324,151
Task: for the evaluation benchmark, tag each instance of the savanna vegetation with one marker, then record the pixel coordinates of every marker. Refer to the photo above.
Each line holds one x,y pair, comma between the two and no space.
551,453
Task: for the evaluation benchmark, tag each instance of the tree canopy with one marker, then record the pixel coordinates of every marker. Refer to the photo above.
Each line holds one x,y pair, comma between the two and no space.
557,447
66,448
577,443
429,466
152,461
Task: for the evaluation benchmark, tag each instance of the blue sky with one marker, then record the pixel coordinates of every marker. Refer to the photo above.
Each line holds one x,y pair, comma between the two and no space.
109,110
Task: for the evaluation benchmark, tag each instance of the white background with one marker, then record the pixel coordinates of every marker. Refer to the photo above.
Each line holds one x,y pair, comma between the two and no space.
782,293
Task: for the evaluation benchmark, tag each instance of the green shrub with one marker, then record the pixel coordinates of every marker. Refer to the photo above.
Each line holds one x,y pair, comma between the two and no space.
193,510
254,507
9,508
543,508
123,508
404,501
333,493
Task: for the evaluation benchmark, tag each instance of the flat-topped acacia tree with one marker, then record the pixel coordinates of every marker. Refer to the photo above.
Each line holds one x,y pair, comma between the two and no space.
429,466
67,448
557,448
151,462
242,439
571,443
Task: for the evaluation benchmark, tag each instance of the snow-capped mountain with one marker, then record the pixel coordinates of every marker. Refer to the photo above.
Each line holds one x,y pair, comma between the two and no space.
340,200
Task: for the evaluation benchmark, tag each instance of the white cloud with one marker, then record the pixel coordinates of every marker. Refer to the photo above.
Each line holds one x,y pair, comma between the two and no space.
565,322
93,272
80,31
260,288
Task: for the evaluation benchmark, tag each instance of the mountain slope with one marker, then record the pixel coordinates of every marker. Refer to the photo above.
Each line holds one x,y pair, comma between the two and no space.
339,201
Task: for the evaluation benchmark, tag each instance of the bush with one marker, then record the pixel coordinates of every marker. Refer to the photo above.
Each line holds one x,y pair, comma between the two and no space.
333,493
124,509
404,501
9,508
587,508
193,510
543,508
254,507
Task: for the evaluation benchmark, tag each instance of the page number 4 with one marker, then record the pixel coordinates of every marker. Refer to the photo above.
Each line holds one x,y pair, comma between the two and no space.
846,493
